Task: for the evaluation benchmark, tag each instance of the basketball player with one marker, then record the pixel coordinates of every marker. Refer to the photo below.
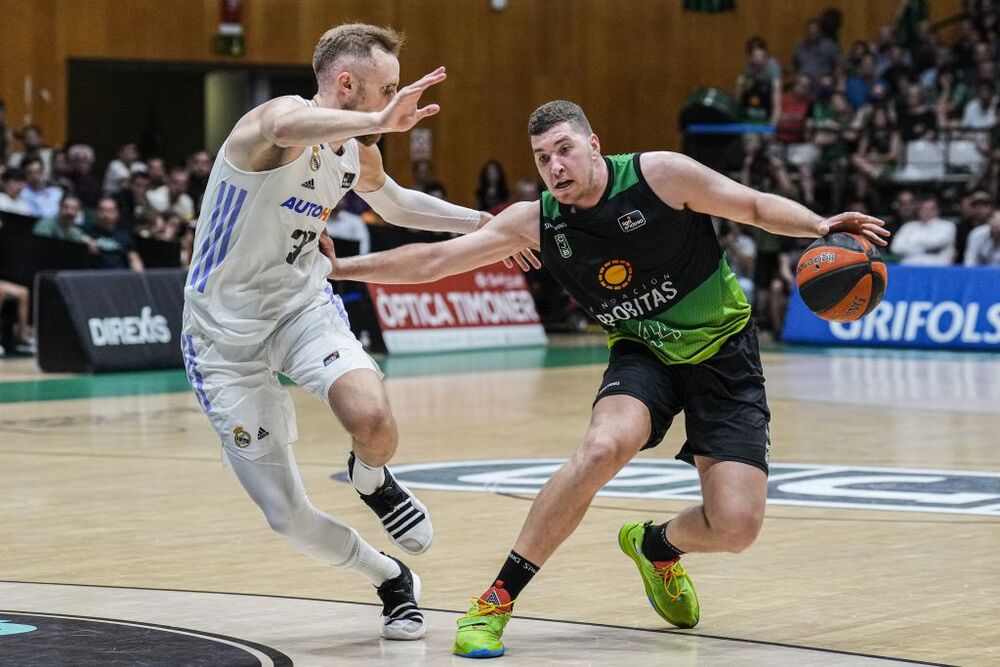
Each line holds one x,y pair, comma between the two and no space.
257,302
630,238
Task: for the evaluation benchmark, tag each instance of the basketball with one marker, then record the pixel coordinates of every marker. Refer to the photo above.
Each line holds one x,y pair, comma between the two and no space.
841,277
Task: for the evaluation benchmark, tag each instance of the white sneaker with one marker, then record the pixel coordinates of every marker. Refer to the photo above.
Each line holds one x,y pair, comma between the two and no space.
404,518
401,618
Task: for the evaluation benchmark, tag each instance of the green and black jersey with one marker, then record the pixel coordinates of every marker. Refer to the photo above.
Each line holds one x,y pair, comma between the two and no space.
647,272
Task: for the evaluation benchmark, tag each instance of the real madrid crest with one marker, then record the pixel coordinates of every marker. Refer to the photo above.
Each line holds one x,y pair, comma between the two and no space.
241,437
314,159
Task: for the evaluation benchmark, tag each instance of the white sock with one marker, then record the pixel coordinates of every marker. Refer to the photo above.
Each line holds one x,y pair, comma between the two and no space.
366,478
376,567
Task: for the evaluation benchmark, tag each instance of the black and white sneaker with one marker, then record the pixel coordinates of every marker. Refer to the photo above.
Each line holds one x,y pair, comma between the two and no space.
404,518
401,617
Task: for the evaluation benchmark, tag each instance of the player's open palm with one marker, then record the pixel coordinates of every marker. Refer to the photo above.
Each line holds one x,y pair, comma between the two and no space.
403,111
857,223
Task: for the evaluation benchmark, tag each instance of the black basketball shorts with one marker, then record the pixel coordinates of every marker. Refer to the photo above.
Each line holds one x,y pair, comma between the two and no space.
725,409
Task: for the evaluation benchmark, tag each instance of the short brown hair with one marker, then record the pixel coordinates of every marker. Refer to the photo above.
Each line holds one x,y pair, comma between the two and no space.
355,40
552,113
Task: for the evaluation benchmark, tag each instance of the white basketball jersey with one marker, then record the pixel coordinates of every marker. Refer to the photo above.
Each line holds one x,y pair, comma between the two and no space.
256,255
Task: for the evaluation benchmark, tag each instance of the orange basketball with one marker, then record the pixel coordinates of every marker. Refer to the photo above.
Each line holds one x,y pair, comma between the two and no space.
841,277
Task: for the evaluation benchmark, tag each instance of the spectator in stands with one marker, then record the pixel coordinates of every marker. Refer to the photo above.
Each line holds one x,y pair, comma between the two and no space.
350,227
42,199
173,196
829,23
923,54
950,96
166,227
984,244
791,131
830,127
63,226
132,202
117,174
157,170
860,84
12,183
852,62
927,241
758,90
33,146
981,111
492,190
117,245
6,135
988,177
982,54
199,168
773,66
59,175
904,209
762,170
422,172
816,55
917,119
963,50
968,219
781,286
85,184
878,150
896,70
526,190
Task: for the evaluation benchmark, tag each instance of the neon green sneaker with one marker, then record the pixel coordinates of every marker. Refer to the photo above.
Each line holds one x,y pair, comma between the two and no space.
668,587
479,631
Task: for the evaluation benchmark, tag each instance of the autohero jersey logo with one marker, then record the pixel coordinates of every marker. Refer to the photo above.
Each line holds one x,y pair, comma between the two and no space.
307,208
141,330
615,274
631,221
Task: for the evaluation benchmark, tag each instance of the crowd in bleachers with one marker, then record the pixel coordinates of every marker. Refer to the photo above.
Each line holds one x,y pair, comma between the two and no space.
903,126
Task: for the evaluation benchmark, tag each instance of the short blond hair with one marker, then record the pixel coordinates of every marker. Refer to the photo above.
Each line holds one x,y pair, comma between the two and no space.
355,40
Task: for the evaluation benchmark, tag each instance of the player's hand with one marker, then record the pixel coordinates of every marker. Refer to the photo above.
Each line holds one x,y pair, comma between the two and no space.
326,247
402,112
856,223
525,259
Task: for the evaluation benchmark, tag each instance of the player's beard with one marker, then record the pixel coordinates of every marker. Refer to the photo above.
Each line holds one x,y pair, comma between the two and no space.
352,105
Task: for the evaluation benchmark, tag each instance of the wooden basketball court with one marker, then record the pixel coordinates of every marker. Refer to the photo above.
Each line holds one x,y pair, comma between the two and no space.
881,544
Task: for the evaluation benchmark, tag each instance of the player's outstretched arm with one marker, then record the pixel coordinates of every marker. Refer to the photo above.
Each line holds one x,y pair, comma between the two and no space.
680,181
286,126
276,132
516,227
410,208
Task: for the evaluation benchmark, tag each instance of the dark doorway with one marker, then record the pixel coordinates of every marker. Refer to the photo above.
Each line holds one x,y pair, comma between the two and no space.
162,106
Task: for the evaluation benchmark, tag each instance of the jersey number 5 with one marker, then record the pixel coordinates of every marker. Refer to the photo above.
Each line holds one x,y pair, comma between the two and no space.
306,237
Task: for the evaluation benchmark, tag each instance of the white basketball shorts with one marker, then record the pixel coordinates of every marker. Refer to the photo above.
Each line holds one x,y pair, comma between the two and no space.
237,385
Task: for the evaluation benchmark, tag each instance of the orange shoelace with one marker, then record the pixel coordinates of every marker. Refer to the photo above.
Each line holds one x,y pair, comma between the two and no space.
485,608
671,573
